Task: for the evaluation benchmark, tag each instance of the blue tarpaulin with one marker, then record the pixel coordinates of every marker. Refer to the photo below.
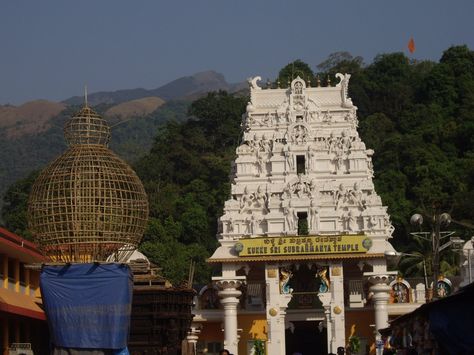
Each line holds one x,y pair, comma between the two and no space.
88,305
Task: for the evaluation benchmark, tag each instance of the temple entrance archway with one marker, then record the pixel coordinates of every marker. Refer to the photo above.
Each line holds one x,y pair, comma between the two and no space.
305,338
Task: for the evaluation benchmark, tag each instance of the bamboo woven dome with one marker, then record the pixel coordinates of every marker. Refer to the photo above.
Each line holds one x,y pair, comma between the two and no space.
87,204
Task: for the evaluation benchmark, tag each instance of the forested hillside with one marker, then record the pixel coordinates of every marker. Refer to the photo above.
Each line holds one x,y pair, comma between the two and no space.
418,116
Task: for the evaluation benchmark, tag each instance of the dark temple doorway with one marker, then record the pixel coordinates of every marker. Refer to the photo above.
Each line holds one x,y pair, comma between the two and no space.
306,339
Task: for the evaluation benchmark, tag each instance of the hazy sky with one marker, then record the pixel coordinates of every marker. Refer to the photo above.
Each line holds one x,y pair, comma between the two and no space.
49,49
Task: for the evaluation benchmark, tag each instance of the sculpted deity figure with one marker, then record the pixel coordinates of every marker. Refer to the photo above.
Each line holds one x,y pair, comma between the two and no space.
311,160
351,222
245,201
356,196
291,217
260,163
339,163
299,134
331,143
260,198
345,142
285,276
373,222
370,167
254,223
314,217
289,157
339,196
313,188
268,197
327,117
300,188
230,225
264,144
286,192
298,88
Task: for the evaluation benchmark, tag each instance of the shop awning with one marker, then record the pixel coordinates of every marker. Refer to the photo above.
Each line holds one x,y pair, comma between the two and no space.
21,305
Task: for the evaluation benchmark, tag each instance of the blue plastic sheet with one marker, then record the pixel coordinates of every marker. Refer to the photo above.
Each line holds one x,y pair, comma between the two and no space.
88,305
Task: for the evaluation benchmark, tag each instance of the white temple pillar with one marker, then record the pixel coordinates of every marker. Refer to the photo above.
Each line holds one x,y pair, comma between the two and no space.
193,337
277,302
379,278
381,295
229,295
325,299
337,302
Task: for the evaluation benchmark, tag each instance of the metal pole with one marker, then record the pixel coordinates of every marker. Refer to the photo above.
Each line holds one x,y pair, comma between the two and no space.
435,244
469,264
424,272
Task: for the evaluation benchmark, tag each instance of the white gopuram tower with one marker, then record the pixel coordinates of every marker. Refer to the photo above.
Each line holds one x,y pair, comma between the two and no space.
302,192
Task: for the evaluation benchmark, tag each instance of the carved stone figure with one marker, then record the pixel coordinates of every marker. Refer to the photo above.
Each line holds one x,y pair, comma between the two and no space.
327,118
245,201
260,163
286,194
370,167
299,187
260,198
268,198
254,223
313,188
345,143
311,160
314,217
230,225
339,196
351,222
299,134
331,143
289,157
339,167
373,222
356,196
298,88
291,217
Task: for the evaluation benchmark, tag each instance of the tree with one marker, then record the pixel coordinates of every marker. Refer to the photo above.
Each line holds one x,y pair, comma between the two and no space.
15,206
292,70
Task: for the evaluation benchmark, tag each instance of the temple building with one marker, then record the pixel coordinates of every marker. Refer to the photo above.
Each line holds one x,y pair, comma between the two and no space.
23,328
304,236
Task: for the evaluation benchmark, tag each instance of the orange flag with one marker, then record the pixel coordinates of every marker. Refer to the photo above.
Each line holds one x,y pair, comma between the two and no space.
411,45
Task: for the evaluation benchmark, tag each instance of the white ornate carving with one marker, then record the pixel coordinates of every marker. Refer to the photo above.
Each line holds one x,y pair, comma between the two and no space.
291,218
314,217
344,85
253,83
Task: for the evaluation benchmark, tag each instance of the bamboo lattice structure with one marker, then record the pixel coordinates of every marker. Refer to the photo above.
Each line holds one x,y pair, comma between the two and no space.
88,204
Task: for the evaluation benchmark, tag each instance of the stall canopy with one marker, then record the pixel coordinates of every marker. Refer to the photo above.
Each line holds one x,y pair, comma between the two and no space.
451,321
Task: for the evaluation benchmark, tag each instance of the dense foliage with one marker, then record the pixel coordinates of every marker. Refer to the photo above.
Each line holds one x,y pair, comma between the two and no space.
186,176
418,116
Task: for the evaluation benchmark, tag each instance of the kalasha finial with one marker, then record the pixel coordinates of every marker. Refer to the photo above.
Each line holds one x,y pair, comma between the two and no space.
309,81
278,83
269,84
329,81
318,81
289,82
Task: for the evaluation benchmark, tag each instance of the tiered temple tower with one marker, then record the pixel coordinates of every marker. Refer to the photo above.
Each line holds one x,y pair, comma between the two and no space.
302,192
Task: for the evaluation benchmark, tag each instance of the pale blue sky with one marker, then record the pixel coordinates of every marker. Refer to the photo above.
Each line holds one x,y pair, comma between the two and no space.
49,49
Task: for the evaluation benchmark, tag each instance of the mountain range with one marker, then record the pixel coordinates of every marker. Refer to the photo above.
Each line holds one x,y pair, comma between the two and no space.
31,134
